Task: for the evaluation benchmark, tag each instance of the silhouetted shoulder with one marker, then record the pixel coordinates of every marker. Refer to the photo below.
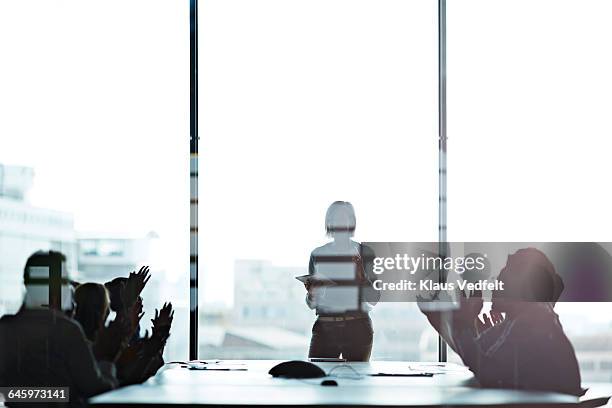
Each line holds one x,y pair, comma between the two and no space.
334,249
367,252
322,250
56,320
542,325
539,316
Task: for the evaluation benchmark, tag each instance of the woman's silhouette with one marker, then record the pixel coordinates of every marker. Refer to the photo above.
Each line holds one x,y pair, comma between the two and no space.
341,291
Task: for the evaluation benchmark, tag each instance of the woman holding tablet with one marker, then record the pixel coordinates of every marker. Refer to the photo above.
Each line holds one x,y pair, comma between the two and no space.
339,286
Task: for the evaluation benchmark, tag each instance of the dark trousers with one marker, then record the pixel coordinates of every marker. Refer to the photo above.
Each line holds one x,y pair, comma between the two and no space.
351,338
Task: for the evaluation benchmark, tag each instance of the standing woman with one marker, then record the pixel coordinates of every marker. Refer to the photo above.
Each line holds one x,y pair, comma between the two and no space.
337,332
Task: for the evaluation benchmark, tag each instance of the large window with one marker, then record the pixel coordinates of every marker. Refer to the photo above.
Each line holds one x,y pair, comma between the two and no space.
303,103
93,145
529,136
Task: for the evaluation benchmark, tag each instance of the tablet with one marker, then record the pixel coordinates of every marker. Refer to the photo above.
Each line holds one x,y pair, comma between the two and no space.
315,278
303,278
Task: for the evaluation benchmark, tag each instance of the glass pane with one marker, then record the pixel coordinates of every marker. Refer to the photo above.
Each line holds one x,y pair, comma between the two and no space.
304,103
529,135
94,146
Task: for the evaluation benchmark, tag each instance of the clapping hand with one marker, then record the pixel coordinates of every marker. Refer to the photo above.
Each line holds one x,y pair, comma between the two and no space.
134,286
135,314
163,321
494,318
497,317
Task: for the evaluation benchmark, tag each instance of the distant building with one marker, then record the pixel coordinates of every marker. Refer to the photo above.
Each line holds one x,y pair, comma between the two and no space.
265,293
269,320
15,181
594,353
98,257
103,257
25,229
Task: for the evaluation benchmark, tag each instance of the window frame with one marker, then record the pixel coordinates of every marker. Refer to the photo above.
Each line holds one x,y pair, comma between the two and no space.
194,165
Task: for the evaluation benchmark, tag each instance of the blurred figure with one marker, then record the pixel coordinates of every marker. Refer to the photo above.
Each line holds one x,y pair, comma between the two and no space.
546,284
41,346
586,268
343,327
124,292
140,357
143,356
92,308
525,347
115,289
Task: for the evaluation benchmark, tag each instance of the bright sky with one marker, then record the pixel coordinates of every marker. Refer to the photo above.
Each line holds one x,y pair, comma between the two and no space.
98,106
306,102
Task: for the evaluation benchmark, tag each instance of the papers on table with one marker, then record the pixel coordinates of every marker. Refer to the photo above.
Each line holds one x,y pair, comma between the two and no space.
216,365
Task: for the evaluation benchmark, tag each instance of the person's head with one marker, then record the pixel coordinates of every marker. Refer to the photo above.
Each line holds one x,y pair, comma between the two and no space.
340,219
115,288
47,283
477,273
92,308
528,277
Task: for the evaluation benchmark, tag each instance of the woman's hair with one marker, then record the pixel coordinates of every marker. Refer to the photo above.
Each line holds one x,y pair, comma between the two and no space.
91,307
340,217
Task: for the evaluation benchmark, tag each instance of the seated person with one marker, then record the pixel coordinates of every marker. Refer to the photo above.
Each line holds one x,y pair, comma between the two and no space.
143,356
41,346
123,292
527,349
91,308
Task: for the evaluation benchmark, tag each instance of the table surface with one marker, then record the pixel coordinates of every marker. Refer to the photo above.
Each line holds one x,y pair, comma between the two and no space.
451,385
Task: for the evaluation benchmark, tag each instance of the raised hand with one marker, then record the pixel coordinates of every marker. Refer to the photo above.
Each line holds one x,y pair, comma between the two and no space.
163,320
484,323
493,319
135,313
134,286
496,317
155,344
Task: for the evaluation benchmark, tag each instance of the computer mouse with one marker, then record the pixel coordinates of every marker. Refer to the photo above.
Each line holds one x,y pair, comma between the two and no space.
296,369
329,382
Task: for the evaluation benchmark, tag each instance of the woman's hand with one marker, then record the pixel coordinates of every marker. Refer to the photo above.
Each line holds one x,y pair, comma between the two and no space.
135,313
134,286
163,321
487,321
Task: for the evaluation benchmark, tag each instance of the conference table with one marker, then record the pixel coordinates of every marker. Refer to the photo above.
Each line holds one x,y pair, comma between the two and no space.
241,383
